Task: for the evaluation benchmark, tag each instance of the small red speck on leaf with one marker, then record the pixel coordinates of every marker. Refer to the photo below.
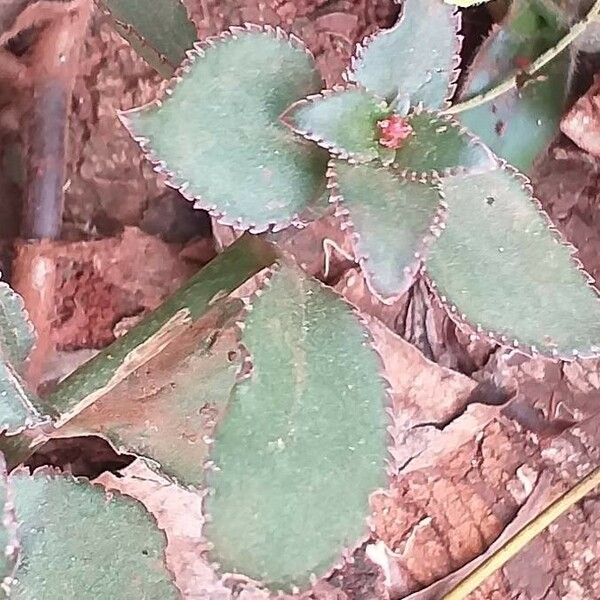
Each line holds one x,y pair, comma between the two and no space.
521,62
393,131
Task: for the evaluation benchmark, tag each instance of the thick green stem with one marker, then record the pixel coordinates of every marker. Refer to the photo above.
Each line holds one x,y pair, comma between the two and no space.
512,82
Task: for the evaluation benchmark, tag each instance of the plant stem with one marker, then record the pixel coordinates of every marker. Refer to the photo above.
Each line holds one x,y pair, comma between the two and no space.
513,546
54,65
542,60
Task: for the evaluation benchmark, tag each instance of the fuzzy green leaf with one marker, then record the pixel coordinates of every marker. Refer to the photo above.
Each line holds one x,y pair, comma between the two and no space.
304,441
537,107
220,135
160,31
408,60
442,145
16,340
506,272
75,542
17,336
8,527
392,219
343,121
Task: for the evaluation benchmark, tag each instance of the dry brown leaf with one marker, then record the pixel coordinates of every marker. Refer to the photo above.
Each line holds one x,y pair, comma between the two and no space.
538,500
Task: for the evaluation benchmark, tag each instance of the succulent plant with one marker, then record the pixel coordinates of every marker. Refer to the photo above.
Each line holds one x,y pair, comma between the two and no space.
271,398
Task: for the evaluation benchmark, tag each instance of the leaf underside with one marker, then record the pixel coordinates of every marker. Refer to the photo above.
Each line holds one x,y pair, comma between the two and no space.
536,108
220,135
392,218
504,270
301,447
441,145
162,24
16,341
343,121
75,542
395,61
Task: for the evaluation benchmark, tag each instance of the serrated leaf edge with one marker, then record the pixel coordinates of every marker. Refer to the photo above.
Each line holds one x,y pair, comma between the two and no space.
348,74
160,166
472,140
109,496
346,552
351,157
476,331
411,272
131,30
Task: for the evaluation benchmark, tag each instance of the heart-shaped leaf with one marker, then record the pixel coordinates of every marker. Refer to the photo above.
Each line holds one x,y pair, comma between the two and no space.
394,219
344,121
301,447
75,542
441,145
501,268
408,60
219,136
537,106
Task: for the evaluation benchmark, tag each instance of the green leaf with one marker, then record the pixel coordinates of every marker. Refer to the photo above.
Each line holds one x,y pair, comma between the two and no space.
304,441
393,218
17,335
9,543
16,341
537,107
219,136
76,542
441,145
506,272
160,31
344,121
418,57
114,365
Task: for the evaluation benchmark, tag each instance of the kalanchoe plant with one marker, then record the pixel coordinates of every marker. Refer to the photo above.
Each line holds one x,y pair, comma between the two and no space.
400,168
296,436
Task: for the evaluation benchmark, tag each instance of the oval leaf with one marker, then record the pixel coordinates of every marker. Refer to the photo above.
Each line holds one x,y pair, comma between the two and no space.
75,542
393,220
407,60
440,144
537,107
343,121
506,272
304,441
220,135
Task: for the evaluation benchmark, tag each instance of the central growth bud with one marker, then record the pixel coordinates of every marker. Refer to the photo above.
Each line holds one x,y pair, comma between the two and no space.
393,131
